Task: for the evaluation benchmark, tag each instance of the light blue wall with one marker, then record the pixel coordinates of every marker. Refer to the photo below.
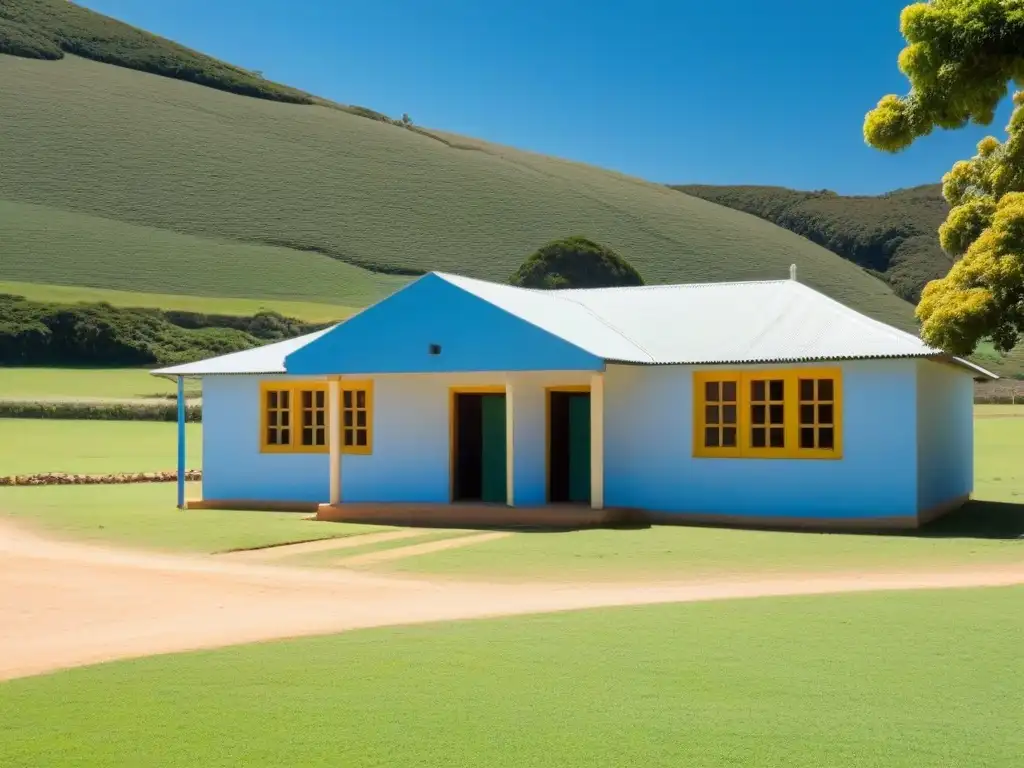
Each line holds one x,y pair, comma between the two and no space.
233,467
394,335
649,459
945,433
410,460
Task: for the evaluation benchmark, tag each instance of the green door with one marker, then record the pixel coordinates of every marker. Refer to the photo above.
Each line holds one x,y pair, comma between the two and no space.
492,483
579,448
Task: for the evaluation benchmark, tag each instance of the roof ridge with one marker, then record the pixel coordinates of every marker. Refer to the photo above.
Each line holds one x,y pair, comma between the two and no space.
866,321
605,323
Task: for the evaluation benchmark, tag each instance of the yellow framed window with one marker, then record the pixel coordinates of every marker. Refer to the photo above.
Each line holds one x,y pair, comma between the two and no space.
717,414
277,427
313,417
357,416
779,413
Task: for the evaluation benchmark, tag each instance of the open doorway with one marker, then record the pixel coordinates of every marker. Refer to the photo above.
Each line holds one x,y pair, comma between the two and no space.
479,449
569,446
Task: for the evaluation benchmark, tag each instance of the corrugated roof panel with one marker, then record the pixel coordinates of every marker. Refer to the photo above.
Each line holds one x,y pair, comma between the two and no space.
266,359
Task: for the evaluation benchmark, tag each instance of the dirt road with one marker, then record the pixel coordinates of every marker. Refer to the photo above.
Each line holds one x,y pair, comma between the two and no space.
65,604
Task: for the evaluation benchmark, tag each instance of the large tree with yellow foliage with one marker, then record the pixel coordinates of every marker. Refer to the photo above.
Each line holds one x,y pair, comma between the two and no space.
960,58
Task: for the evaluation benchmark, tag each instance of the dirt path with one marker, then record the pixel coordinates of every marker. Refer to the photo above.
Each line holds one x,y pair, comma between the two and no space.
400,553
283,551
66,604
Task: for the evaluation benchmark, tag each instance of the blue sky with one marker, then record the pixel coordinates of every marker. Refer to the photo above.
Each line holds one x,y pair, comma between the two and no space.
675,91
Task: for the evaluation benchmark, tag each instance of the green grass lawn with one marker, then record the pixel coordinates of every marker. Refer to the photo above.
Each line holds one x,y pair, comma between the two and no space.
308,311
86,384
94,447
981,533
144,515
889,680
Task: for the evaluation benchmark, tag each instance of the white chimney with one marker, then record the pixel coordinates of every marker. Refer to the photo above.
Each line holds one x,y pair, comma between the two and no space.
792,271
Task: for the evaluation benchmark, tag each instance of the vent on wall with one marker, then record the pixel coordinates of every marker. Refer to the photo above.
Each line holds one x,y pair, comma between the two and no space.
434,349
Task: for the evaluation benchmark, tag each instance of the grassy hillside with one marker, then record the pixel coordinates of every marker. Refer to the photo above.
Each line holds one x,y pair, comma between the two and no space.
136,176
894,235
47,29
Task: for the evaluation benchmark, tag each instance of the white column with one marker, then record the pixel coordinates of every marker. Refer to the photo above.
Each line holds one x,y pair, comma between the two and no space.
510,451
334,437
597,441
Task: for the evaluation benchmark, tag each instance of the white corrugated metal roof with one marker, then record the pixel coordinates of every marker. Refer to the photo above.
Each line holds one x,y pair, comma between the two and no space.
266,359
698,323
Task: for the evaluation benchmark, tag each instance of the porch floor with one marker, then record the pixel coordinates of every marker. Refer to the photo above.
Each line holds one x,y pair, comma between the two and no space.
470,515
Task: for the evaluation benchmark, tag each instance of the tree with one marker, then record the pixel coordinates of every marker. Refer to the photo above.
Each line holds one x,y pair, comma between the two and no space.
960,58
575,262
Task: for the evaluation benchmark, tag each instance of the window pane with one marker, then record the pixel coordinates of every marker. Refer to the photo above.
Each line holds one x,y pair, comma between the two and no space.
806,414
729,437
826,438
286,399
283,418
728,414
271,436
307,436
825,414
361,437
346,398
360,399
807,437
758,414
711,414
307,418
711,437
348,418
321,418
307,398
777,437
757,390
360,418
806,389
775,389
286,437
757,437
711,393
350,438
825,389
729,391
320,436
272,399
320,402
775,414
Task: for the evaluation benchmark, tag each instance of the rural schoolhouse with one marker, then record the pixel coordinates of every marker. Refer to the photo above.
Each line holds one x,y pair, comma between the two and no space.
762,402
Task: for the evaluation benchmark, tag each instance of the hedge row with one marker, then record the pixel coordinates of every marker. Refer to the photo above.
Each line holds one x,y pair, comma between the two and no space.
110,411
120,478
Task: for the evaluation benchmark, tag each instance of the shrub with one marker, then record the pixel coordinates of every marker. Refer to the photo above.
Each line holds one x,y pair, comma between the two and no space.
575,262
108,411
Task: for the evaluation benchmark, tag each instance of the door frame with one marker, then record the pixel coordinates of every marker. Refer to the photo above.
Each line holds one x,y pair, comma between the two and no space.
453,425
569,389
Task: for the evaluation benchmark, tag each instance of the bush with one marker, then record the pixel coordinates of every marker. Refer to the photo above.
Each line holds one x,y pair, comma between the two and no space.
18,40
109,411
575,262
36,333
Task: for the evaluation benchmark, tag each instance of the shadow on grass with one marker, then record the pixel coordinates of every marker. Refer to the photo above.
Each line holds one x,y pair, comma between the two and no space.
977,520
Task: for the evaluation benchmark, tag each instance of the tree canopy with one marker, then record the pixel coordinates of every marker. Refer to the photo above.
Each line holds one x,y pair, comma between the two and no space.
960,58
575,262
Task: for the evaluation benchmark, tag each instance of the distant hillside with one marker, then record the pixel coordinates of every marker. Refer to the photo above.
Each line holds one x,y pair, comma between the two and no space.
118,179
894,235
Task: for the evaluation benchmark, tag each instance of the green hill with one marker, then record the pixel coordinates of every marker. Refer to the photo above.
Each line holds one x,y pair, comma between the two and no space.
894,235
123,154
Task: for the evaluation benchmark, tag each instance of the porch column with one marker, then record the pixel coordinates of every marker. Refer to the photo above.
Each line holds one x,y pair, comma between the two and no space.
597,441
181,442
510,451
334,436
